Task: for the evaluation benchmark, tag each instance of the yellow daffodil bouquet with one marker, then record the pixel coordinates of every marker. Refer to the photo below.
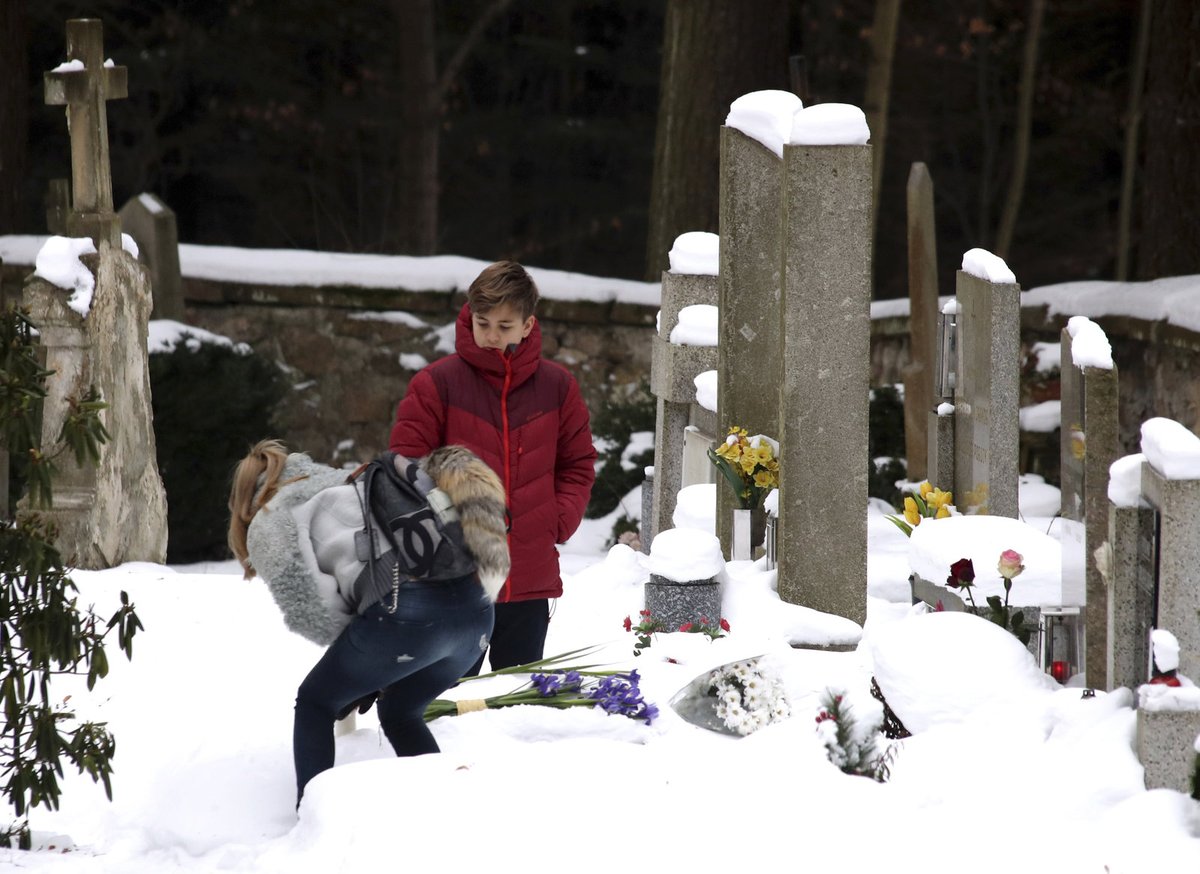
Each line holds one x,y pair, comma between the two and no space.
749,464
927,503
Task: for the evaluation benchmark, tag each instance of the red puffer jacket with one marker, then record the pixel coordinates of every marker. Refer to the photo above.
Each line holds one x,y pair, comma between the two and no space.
526,418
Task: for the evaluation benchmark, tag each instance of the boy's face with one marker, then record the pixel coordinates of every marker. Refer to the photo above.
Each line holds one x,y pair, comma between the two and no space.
499,327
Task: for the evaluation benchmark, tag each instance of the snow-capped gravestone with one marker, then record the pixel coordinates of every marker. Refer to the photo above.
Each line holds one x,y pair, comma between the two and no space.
1168,719
1089,445
90,301
152,224
684,347
936,544
795,329
1153,551
987,386
685,566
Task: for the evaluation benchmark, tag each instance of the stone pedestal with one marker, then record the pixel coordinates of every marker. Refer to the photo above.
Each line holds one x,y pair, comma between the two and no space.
1165,746
673,603
116,512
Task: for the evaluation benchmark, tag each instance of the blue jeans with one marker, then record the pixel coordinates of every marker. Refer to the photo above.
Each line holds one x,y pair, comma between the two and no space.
410,656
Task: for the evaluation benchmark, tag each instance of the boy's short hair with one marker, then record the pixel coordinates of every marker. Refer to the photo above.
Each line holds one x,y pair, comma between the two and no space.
504,282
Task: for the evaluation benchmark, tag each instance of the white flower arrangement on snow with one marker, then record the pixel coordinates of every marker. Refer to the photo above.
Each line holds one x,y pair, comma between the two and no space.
747,696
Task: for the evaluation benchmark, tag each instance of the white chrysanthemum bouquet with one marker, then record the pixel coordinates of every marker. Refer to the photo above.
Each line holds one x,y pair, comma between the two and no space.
747,696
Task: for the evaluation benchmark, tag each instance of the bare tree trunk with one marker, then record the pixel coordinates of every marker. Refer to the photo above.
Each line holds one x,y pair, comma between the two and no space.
417,143
421,92
1168,244
1016,183
14,113
1133,126
714,51
879,90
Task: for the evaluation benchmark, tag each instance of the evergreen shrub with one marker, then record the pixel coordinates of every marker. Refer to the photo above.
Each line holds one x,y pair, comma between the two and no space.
611,427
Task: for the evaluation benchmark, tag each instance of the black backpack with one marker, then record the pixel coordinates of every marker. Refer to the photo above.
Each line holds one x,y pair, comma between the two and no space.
421,535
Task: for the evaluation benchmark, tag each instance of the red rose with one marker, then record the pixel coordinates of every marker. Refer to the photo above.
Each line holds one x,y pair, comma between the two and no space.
628,624
687,626
724,625
962,574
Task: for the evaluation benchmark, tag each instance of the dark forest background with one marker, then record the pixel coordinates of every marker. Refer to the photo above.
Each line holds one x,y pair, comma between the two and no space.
582,134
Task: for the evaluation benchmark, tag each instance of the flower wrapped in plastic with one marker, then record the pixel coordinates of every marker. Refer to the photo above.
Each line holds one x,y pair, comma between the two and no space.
552,685
738,698
749,464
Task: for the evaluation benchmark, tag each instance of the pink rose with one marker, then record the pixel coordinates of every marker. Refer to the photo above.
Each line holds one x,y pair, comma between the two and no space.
1010,564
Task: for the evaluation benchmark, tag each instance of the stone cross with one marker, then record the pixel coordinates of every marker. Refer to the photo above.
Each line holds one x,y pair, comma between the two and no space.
83,85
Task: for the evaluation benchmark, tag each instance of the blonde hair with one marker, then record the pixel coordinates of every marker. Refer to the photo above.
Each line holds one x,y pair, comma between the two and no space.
255,482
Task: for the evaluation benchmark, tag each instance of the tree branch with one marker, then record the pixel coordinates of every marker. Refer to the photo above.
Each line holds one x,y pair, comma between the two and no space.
454,65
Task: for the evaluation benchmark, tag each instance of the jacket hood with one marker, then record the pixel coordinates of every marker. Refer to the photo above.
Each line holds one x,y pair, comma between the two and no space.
523,360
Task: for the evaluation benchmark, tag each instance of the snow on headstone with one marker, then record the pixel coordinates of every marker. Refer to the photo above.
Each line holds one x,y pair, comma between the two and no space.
941,667
1089,344
1171,449
985,265
1166,650
696,253
830,124
129,245
765,116
685,554
58,263
697,326
1125,481
706,390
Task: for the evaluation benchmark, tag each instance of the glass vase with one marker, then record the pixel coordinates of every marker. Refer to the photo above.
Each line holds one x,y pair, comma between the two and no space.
739,544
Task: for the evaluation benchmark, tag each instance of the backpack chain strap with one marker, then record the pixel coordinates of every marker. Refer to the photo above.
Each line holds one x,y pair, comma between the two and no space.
395,588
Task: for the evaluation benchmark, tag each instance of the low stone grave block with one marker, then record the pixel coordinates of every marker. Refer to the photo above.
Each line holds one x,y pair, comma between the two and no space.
1168,721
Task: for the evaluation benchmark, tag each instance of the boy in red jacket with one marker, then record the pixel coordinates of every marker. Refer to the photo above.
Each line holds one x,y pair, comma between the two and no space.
526,418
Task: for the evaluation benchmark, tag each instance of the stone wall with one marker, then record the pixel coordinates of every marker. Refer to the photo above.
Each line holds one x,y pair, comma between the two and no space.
346,351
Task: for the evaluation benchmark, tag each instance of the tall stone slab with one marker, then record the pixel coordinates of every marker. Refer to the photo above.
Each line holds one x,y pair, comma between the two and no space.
1178,603
1130,562
987,396
1089,445
749,357
673,370
152,225
116,512
922,320
824,390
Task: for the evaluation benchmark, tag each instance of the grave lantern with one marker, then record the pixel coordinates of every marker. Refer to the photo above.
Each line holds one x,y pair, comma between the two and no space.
1060,635
946,374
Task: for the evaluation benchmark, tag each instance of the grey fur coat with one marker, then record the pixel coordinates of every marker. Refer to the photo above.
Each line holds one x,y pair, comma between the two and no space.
301,544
